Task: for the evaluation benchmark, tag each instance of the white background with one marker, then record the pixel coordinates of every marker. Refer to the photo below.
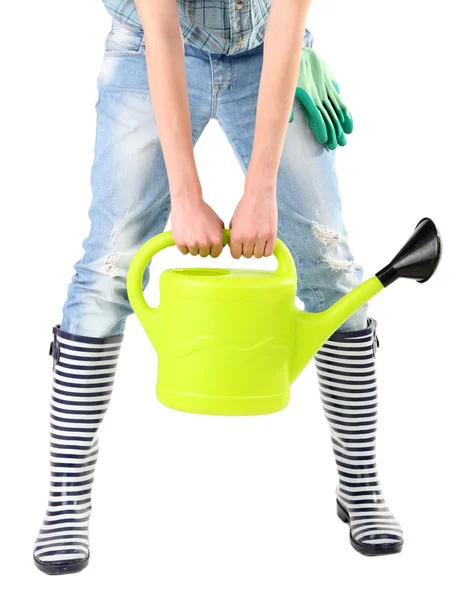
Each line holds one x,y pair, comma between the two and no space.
213,508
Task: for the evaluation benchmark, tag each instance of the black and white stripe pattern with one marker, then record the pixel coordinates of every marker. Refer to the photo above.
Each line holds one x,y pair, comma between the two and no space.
84,372
348,389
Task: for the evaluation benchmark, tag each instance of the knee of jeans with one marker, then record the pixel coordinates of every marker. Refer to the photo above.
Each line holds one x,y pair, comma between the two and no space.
316,244
333,250
116,266
105,275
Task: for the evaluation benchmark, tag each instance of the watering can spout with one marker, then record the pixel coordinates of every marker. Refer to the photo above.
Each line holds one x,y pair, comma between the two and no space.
418,259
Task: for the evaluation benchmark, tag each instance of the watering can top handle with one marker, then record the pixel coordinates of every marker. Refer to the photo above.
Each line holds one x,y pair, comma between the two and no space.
286,265
285,268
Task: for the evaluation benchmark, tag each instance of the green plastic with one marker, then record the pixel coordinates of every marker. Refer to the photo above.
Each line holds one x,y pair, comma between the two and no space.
231,341
320,99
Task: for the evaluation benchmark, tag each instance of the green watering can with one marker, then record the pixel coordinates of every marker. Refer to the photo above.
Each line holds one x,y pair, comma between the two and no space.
232,341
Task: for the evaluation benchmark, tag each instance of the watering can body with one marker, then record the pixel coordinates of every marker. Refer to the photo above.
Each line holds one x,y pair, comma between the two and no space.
231,341
223,340
224,337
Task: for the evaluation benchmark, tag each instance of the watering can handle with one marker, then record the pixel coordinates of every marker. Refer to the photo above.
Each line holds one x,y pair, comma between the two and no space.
286,266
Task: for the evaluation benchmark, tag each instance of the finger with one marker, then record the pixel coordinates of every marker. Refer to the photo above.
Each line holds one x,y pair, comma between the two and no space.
236,249
216,250
259,249
194,250
183,249
305,99
312,115
336,106
270,244
248,248
348,123
331,135
204,251
332,144
340,137
332,116
216,245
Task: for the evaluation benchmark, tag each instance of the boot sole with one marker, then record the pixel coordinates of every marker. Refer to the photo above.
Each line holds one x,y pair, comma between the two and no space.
367,549
63,568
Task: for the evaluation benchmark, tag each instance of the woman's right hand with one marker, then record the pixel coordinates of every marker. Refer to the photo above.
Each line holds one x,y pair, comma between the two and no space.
196,228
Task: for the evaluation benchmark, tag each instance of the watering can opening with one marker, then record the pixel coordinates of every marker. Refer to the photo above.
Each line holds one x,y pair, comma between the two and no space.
418,258
203,272
231,341
227,285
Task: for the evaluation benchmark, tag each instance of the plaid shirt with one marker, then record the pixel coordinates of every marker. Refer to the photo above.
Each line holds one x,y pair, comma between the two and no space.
221,26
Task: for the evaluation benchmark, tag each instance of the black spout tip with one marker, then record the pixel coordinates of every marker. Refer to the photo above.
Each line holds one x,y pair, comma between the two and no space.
419,257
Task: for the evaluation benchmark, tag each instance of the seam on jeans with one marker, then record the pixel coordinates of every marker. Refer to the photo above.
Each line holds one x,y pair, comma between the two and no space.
213,105
121,53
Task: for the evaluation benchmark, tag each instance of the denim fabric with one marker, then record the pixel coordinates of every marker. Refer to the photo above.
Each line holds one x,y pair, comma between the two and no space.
131,201
221,26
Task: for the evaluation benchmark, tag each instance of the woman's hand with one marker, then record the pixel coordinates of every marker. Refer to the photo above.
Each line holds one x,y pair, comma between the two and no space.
196,228
254,223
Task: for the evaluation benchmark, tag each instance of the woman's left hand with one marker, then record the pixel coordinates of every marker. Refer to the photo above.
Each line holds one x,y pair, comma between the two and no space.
254,223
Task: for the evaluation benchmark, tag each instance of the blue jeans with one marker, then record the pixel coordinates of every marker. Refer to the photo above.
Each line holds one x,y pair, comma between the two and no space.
131,200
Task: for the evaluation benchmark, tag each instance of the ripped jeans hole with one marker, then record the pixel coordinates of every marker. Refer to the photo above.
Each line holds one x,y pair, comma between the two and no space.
339,264
325,235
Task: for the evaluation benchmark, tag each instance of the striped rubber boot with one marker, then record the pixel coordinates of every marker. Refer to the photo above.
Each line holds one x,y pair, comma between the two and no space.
347,379
84,371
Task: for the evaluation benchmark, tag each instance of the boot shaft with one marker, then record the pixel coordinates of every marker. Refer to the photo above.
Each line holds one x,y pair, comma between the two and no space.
346,371
83,376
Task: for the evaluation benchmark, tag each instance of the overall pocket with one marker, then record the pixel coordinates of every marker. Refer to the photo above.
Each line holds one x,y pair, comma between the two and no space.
124,40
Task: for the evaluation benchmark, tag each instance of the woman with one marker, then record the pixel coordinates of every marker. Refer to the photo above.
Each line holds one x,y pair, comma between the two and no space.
169,67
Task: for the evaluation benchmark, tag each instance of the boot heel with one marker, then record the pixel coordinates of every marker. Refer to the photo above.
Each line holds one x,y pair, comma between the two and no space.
342,513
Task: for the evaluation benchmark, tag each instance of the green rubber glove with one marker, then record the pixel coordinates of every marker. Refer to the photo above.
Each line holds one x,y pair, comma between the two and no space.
319,96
